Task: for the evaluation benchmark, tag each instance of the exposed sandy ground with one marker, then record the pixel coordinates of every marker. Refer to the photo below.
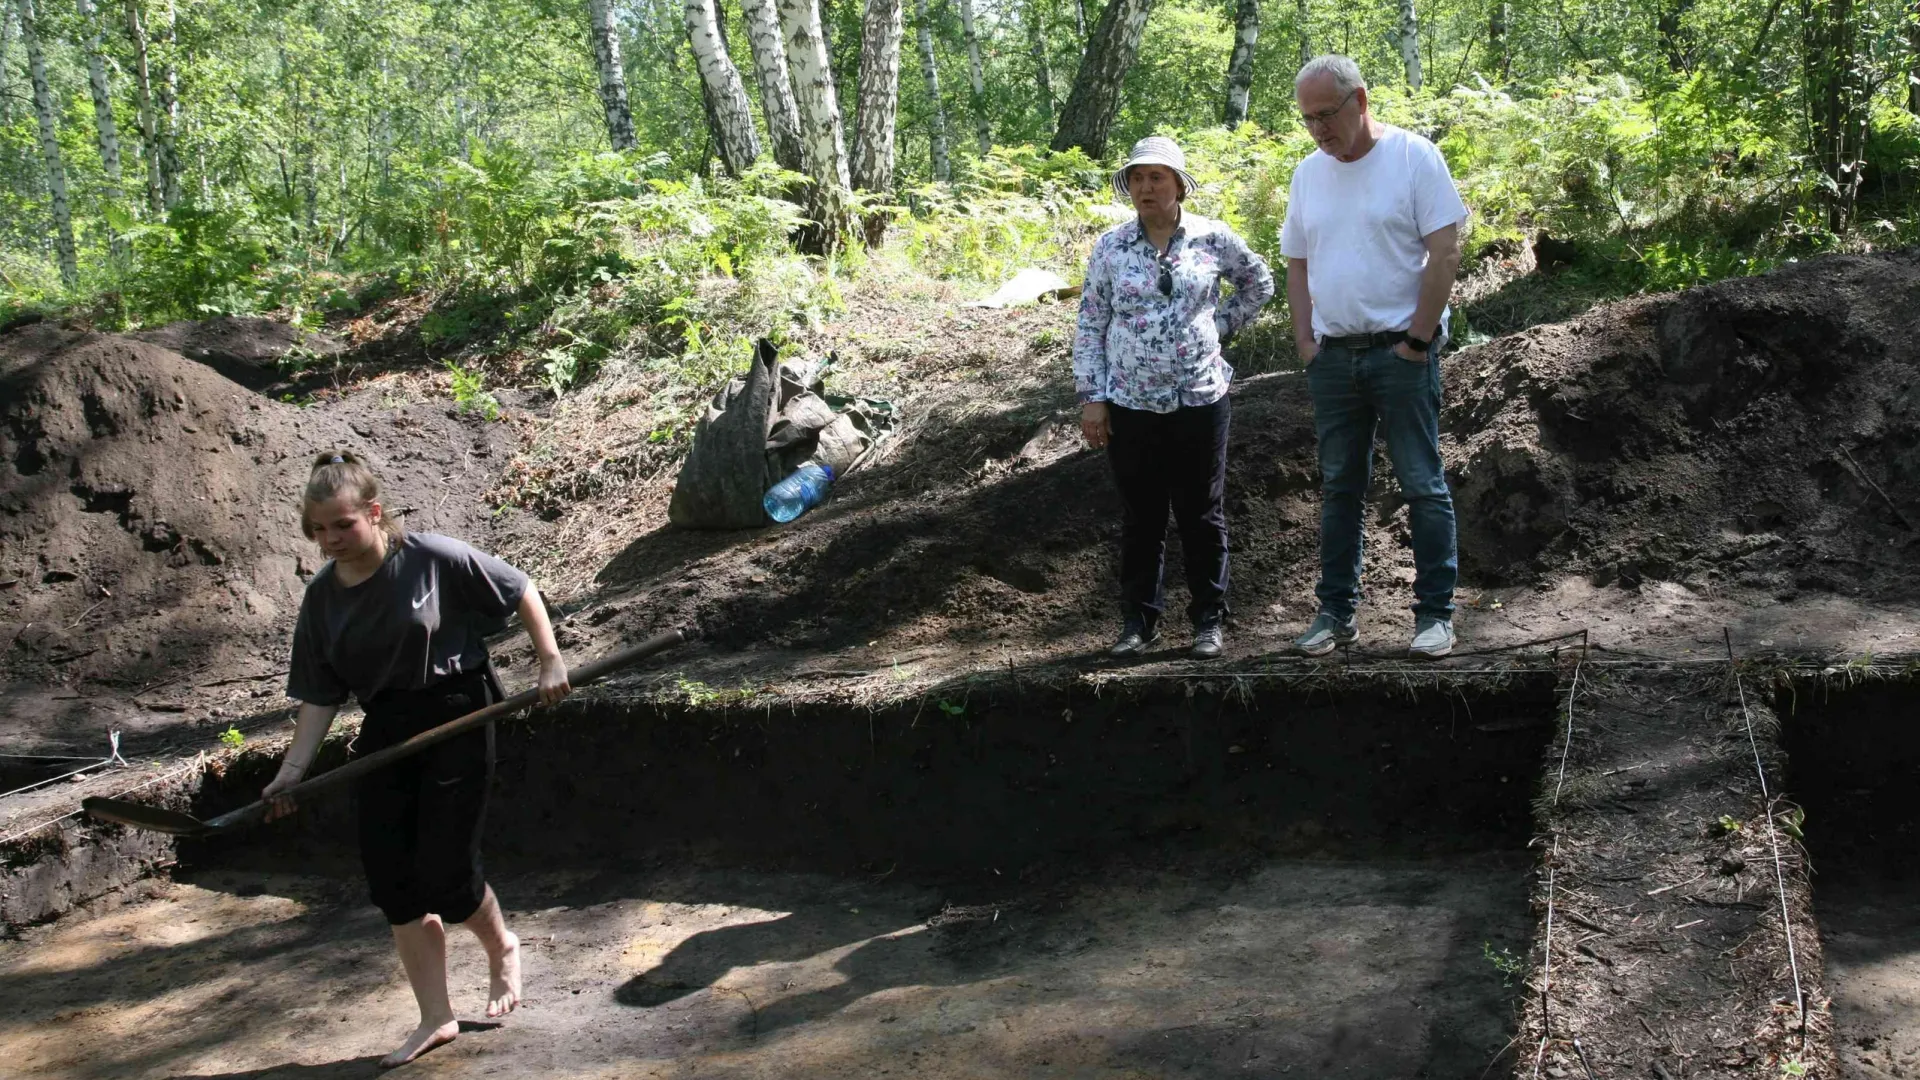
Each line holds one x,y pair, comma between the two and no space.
1872,939
1269,969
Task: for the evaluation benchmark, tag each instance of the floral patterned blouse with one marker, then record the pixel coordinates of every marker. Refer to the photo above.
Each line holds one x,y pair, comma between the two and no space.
1141,348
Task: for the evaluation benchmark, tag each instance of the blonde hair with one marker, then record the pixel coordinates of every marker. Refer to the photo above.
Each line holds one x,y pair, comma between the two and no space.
341,472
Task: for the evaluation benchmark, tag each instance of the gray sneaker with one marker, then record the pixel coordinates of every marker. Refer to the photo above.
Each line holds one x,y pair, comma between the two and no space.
1432,638
1325,633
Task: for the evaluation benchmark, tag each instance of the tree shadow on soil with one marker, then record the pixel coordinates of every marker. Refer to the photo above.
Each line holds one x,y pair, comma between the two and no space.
1446,1017
345,1069
330,942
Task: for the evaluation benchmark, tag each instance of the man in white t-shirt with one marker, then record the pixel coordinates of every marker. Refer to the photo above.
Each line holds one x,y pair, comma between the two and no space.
1372,242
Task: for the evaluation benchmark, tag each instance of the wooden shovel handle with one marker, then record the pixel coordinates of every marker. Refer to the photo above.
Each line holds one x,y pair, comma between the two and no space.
578,677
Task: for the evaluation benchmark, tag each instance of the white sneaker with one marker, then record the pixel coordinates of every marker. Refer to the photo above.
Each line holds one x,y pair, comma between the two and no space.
1326,633
1432,638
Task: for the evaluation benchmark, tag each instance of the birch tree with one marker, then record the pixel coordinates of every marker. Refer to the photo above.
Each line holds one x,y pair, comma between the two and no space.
776,92
1302,16
102,99
1410,43
1095,100
156,94
1034,17
613,80
1246,22
6,46
44,109
982,124
820,130
728,113
930,68
877,105
168,90
144,101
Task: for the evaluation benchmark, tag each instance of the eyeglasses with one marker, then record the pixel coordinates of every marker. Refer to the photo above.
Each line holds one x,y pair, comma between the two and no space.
1166,277
1325,116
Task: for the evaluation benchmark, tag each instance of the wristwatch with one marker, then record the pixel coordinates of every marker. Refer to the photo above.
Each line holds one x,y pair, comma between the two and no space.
1418,345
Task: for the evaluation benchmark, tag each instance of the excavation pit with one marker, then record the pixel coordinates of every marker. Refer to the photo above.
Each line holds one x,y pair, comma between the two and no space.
1855,756
1248,879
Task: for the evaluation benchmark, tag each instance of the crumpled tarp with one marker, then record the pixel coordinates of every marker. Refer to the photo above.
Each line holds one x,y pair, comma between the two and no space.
762,426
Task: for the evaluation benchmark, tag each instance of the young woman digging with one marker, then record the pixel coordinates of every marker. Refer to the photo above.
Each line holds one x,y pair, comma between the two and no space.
399,621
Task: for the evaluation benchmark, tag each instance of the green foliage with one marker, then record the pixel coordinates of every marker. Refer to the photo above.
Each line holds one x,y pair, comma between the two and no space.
470,393
233,738
1504,961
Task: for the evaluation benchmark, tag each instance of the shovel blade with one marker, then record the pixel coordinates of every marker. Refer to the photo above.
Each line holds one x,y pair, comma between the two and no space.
141,816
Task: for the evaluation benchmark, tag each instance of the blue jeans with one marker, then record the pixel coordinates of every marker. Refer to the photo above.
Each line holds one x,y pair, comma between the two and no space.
1357,392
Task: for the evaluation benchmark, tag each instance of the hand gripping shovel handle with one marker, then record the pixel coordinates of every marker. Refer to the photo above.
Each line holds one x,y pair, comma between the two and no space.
358,767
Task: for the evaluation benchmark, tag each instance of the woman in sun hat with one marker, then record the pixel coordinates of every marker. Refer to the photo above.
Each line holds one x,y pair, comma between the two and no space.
1153,385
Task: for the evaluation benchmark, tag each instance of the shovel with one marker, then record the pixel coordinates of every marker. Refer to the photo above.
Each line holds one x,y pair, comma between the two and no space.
163,820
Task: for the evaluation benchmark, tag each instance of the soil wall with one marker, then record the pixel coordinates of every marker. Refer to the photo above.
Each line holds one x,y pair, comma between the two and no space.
999,779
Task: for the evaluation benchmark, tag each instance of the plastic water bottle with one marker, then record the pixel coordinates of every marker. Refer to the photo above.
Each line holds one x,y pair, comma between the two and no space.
802,490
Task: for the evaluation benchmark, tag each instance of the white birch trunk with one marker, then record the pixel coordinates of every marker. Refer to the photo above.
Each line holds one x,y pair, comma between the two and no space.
776,90
1302,14
878,99
1037,49
1240,64
877,105
728,111
1080,20
820,131
982,125
1410,43
143,99
43,107
102,99
613,80
930,67
169,118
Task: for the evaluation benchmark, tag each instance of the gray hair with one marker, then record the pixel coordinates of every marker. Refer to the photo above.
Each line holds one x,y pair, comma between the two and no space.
1346,73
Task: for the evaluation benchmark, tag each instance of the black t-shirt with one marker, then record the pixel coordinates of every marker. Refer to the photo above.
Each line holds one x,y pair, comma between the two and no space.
422,617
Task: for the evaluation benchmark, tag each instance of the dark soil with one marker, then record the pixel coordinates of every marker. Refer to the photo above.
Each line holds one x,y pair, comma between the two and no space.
1855,757
1668,952
149,530
1752,441
1761,433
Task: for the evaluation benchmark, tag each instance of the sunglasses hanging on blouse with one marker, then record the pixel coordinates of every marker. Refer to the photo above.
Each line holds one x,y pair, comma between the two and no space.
1166,277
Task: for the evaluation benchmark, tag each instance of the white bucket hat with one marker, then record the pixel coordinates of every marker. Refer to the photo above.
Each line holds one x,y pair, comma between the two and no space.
1155,150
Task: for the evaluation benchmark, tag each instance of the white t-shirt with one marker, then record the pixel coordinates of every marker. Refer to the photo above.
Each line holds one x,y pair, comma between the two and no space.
1362,227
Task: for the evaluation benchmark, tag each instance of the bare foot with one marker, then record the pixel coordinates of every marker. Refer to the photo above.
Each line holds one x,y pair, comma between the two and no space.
424,1038
503,982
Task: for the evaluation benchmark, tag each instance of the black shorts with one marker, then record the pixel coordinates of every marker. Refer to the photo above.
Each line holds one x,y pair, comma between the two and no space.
420,817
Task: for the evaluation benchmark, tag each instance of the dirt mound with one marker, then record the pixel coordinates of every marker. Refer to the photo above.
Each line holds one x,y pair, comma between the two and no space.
147,504
251,352
1753,440
1761,432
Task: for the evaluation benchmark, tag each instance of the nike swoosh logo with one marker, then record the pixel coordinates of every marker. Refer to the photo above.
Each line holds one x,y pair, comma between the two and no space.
424,597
